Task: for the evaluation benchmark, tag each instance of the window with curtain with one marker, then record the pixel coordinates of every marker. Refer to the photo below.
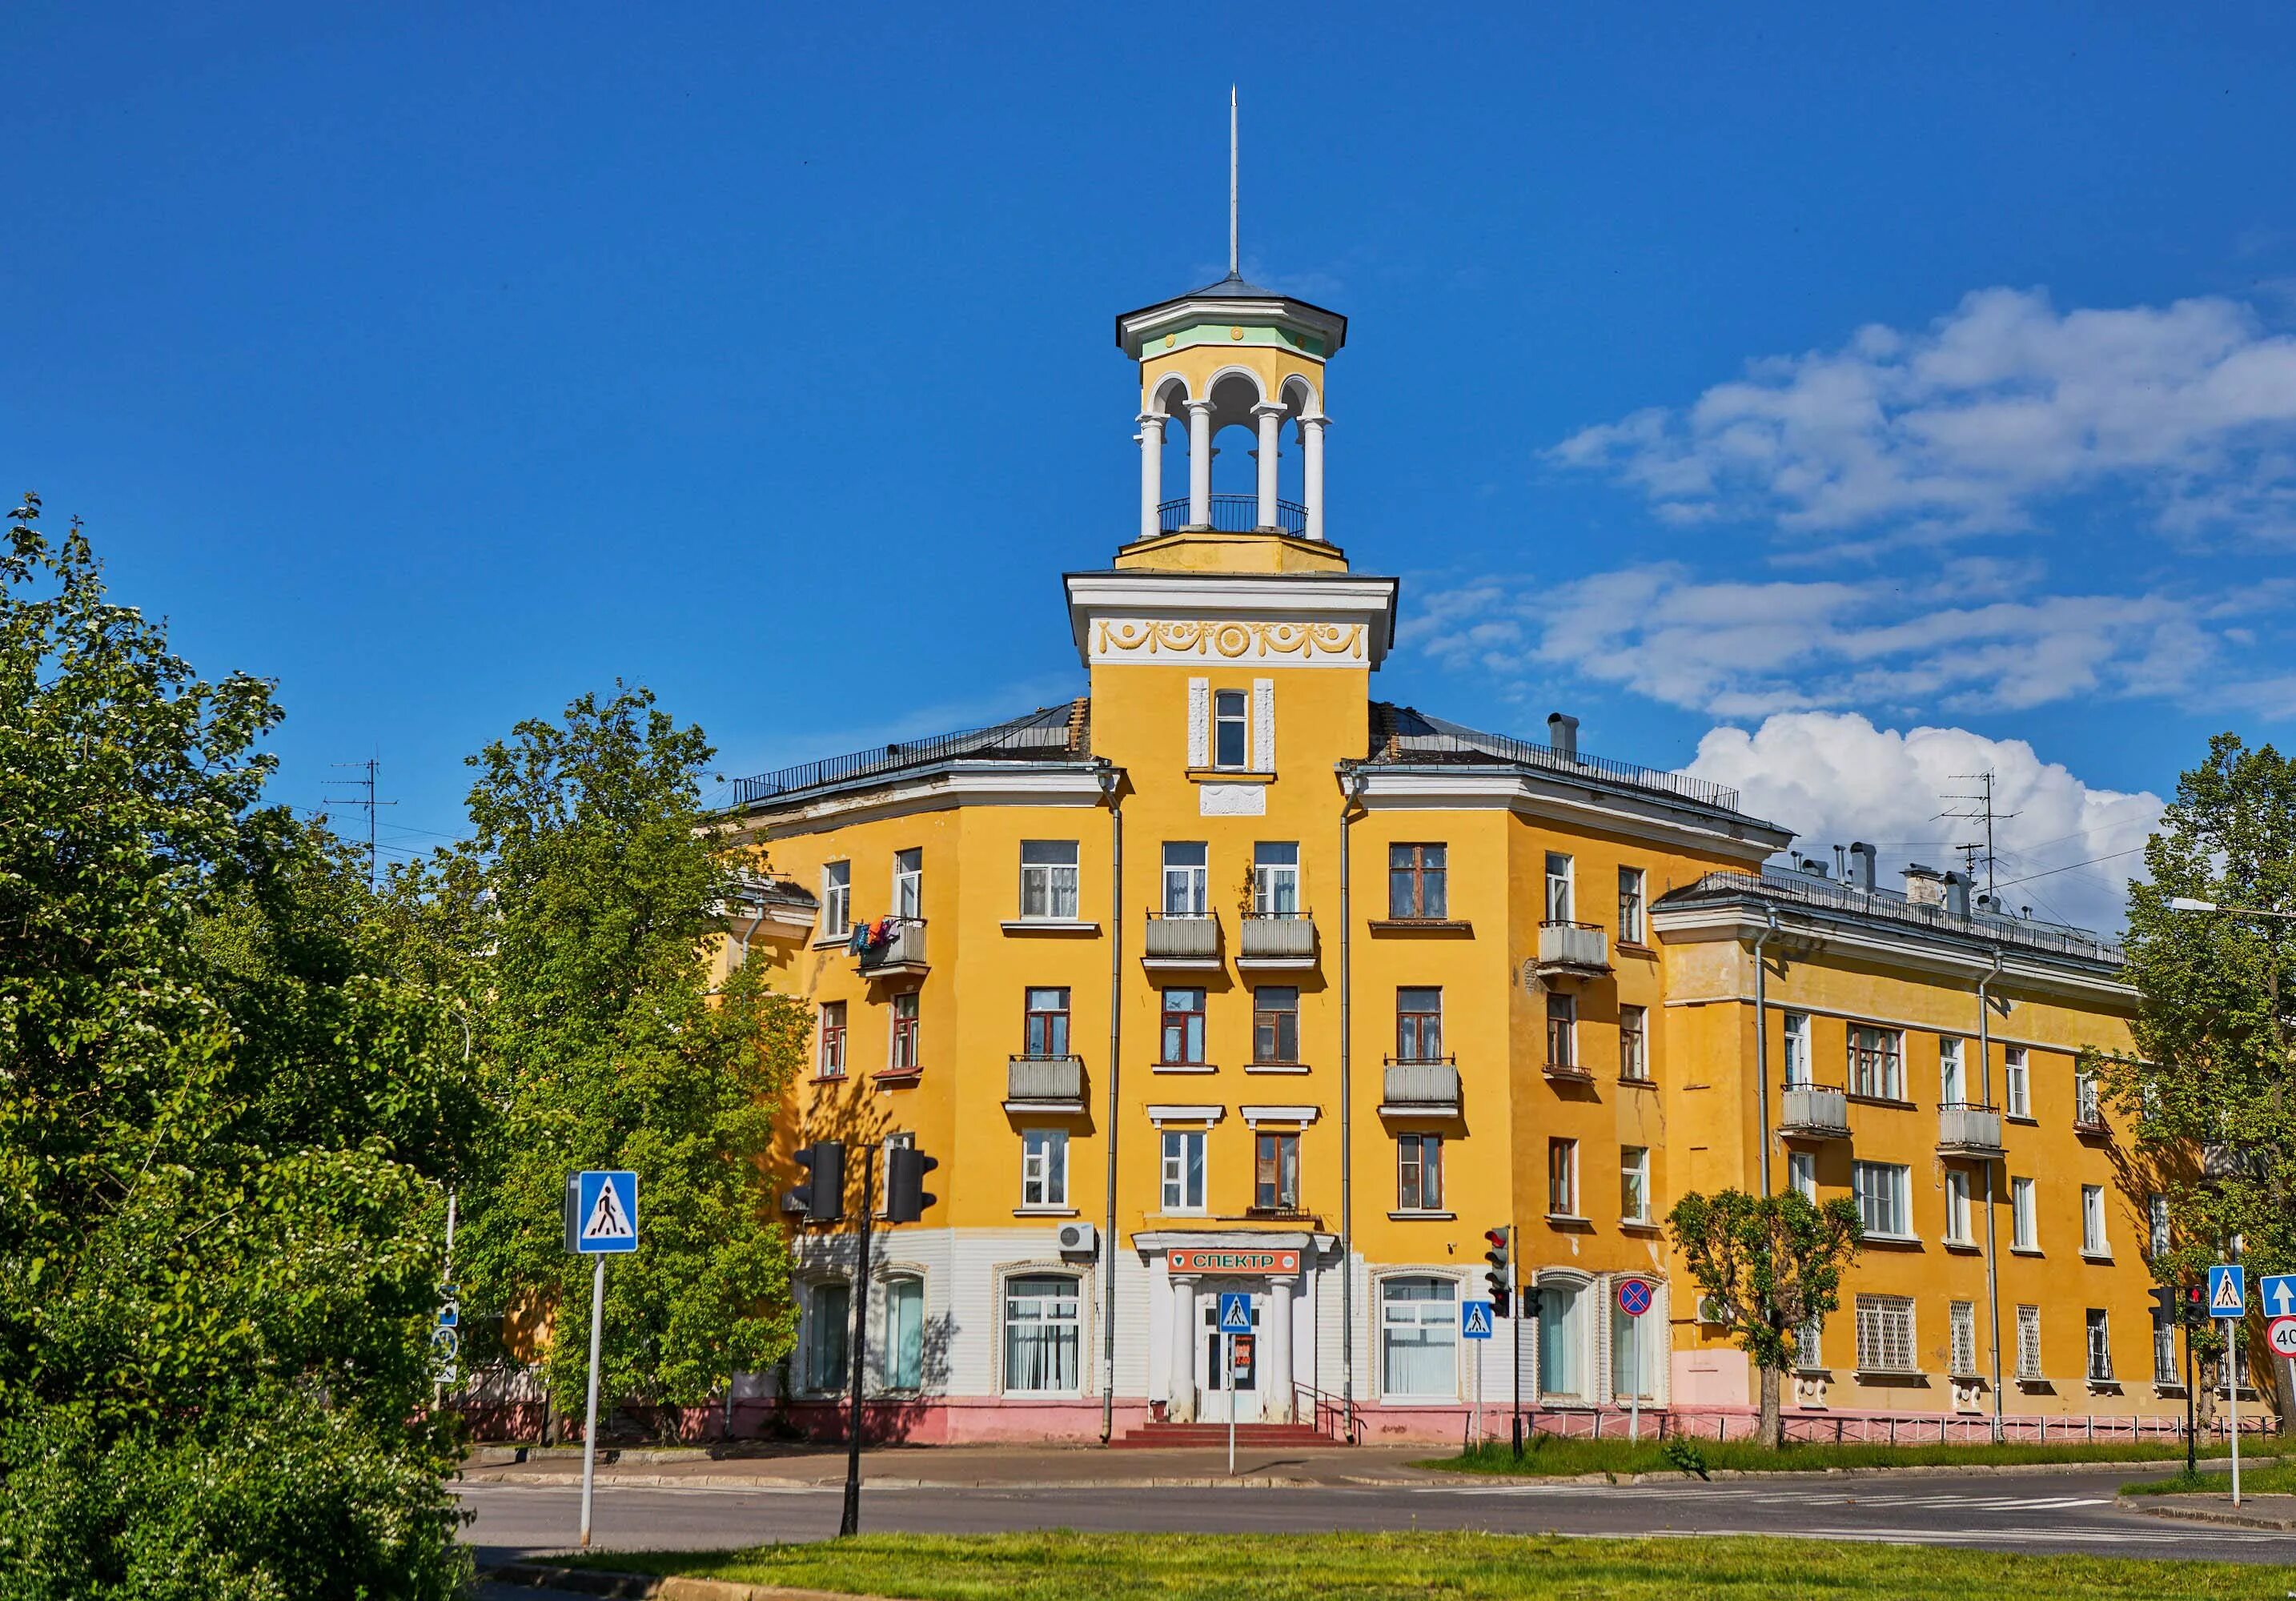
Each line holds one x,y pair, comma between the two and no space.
1630,905
1043,1334
1275,1181
829,1323
1561,1342
1634,1184
1563,1178
1634,1044
832,1039
1418,1025
1419,1338
1884,1192
1562,1028
1048,879
1956,1207
1044,1168
1797,1052
1185,870
1638,1353
1877,1063
1419,1172
1801,1173
1276,1025
2093,1241
1276,878
1953,1078
2024,1228
905,1333
2017,1082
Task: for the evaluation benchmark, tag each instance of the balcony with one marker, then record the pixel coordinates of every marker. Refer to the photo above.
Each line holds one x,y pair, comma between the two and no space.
2221,1165
1968,1130
1421,1090
1181,943
2088,1115
1043,1084
1572,950
1561,1070
1814,1111
1233,514
902,954
1277,941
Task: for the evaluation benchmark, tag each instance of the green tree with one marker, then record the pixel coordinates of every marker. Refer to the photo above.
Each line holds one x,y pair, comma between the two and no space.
578,923
2208,1086
1766,1265
223,1125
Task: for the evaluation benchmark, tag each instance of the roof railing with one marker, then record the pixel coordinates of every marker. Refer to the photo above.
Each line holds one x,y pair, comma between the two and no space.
1029,738
1450,740
1806,890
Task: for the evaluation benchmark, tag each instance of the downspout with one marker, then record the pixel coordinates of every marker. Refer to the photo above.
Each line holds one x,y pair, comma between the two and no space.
1351,787
1762,1041
1992,1280
1111,780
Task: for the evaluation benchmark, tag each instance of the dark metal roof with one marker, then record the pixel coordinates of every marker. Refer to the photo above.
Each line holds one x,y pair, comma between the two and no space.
1849,903
1046,733
1234,288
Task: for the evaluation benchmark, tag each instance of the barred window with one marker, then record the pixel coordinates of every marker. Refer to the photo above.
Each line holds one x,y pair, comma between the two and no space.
2100,1347
1885,1334
1963,1325
2028,1343
1809,1344
2164,1356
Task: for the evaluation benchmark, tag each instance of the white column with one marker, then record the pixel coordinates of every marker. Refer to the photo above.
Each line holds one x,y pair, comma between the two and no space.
1311,433
1180,1405
1200,463
1151,472
1270,419
1275,1344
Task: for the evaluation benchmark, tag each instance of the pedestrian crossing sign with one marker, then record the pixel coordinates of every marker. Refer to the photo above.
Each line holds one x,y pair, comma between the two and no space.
1475,1319
1235,1312
2228,1291
602,1211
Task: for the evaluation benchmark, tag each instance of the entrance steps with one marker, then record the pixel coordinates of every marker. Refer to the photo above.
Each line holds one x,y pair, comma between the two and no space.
1213,1436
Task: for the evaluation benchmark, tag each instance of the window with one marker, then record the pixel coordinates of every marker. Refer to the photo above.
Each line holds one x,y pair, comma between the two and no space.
1634,1044
1184,1170
1563,1178
1631,930
1953,1081
1561,1340
1231,729
905,1333
2093,1243
1275,879
1957,1209
1042,1335
832,1039
2024,1227
1961,1325
1562,1027
1885,1334
2017,1081
1045,1023
909,884
2028,1343
2164,1356
1048,880
905,1033
1415,876
1797,1049
1810,1346
1801,1174
1183,879
1558,887
1275,1173
1419,1337
2156,1210
1884,1193
1877,1063
1183,1027
1634,1184
1638,1353
2100,1347
1044,1168
1276,1025
836,900
1418,1025
1419,1173
825,1337
2087,1111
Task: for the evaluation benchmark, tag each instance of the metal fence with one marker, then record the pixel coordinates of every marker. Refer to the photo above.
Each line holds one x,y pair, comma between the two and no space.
1005,739
1805,891
1449,740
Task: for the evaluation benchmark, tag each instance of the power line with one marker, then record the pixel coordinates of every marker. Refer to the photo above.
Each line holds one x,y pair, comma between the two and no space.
1981,809
367,800
2068,867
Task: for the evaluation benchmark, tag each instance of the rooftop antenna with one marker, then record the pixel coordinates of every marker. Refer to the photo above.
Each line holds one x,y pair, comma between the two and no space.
1232,259
1980,809
367,800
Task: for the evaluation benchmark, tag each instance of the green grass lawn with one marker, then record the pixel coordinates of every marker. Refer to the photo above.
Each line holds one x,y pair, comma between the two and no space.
1063,1566
2256,1479
1550,1455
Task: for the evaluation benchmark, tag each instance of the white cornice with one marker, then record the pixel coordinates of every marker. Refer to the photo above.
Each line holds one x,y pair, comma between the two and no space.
981,784
1557,800
1159,595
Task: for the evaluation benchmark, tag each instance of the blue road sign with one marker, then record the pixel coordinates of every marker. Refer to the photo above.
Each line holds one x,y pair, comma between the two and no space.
1235,1312
1474,1319
2276,1293
2228,1291
1634,1296
605,1213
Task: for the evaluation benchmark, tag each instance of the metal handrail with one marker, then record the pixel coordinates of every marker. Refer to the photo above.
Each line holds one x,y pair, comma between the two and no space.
1001,739
1233,514
1968,1107
1450,1061
1805,891
1451,739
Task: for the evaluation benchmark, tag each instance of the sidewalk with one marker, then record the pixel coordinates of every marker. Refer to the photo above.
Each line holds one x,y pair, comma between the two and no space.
2254,1512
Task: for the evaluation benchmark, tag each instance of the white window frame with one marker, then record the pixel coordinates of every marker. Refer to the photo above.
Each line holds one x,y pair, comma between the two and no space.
1796,1050
1561,887
1887,1340
1961,1340
1953,1071
1192,881
1634,1180
1574,1331
1892,1062
1241,720
2029,1344
1809,1346
2088,1101
1174,1169
1053,884
823,1067
1633,906
1435,1318
2165,1371
2016,1081
1884,1193
908,1006
2024,1220
2093,1241
890,1334
1801,1174
909,883
1007,1293
2096,1330
836,900
2156,1217
1044,1167
1634,1061
820,1330
1275,881
1957,1208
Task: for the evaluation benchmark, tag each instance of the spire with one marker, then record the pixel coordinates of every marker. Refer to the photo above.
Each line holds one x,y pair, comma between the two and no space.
1234,264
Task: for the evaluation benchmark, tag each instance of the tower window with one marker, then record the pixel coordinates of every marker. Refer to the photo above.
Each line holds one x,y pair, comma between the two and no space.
1231,729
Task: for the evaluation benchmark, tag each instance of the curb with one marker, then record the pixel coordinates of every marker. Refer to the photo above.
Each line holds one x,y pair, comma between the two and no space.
647,1586
760,1485
2227,1515
1927,1470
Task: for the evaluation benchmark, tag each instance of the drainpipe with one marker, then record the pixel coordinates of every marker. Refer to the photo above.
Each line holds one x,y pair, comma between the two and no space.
1111,780
1992,1280
1351,788
1762,1040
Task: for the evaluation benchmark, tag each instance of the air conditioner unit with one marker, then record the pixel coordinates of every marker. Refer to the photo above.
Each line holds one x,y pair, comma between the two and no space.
1079,1239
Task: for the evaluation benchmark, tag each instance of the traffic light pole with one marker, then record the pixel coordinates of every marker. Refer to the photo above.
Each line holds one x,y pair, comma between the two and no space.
850,1524
1514,1305
2192,1407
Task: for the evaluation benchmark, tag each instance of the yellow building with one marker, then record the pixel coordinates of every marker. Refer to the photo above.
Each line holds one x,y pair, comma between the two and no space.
1227,976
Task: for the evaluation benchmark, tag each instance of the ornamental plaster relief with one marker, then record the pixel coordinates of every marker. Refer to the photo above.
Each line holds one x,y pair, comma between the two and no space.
1280,643
1232,801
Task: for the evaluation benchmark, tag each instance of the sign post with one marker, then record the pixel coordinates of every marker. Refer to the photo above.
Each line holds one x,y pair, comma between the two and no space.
602,1220
1234,1319
1477,1323
1635,1296
2228,1301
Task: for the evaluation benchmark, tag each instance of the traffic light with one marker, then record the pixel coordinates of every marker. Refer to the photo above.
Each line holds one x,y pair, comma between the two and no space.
1500,1277
906,1198
2166,1299
821,1196
2196,1306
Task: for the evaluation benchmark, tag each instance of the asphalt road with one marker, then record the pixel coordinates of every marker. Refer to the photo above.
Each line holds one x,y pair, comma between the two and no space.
2068,1511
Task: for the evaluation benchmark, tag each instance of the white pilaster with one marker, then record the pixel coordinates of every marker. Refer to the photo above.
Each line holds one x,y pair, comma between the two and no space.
1311,434
1200,463
1151,472
1180,1405
1270,419
1275,1344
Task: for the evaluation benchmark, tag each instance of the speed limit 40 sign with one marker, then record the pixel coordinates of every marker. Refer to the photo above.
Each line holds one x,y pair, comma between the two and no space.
2280,1334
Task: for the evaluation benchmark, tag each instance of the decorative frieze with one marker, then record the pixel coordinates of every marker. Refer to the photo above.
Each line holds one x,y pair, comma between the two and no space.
1284,644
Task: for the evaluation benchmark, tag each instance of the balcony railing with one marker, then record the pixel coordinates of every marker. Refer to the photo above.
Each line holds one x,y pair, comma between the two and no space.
1965,1128
1572,948
1286,940
1815,1111
2088,1114
1233,514
1425,1087
1046,1082
902,952
1182,941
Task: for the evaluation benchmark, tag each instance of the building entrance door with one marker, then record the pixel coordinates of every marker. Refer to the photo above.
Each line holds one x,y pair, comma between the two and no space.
1224,1393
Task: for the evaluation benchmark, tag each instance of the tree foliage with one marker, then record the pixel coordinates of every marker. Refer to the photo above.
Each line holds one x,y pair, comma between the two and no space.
1768,1265
224,1124
576,923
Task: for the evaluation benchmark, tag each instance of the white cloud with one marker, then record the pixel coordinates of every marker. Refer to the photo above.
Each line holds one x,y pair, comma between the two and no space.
1965,426
1834,778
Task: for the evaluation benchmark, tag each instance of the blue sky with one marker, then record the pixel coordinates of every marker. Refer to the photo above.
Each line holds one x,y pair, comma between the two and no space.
1818,375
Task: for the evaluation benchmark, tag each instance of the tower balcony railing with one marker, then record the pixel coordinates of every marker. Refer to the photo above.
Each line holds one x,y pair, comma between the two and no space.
1233,514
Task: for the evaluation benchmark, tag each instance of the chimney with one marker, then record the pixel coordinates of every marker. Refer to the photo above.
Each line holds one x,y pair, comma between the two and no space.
1924,886
1562,735
1956,895
1861,870
1810,866
1841,864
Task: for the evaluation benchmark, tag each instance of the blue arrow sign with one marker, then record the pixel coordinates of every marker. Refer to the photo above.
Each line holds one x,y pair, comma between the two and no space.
1474,1319
2228,1291
1235,1312
2277,1291
605,1214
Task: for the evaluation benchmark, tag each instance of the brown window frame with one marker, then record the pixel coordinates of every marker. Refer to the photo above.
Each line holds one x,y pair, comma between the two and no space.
1275,1170
1418,873
1419,1172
